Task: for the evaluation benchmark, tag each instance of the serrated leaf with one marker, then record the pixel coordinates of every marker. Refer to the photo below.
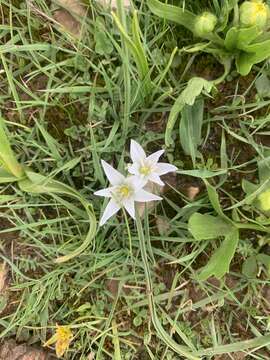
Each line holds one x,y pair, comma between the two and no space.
205,227
219,264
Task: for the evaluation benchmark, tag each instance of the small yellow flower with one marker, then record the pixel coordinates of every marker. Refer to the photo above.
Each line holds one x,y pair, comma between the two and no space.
264,200
62,339
254,12
205,24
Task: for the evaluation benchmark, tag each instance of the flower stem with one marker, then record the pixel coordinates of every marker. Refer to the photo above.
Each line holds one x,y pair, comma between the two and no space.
163,335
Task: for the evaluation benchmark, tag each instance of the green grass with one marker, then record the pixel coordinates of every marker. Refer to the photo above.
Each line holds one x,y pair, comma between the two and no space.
128,290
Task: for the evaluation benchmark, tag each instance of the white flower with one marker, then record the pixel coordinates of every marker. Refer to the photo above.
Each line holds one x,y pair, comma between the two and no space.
123,193
148,168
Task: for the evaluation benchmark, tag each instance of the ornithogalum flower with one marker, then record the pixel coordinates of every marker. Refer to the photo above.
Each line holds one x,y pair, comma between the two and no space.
123,192
147,168
62,339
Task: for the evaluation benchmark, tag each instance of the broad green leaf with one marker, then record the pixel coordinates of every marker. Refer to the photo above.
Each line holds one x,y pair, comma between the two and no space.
194,88
249,187
262,84
7,157
204,227
191,128
264,169
6,177
253,54
219,264
173,13
239,38
103,45
265,260
250,268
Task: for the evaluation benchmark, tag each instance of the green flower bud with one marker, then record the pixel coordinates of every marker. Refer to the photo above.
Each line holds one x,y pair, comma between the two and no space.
264,199
254,12
205,24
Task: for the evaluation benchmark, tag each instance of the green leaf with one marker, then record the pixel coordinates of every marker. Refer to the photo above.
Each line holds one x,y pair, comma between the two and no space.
205,227
7,157
249,187
239,38
264,169
202,173
137,50
265,260
253,54
191,128
219,264
173,13
39,184
194,88
6,177
262,84
103,45
214,199
250,268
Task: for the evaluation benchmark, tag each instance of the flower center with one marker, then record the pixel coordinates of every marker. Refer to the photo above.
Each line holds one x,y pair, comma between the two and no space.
124,191
259,8
145,170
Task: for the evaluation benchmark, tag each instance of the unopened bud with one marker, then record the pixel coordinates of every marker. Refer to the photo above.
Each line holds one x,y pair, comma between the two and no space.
205,24
254,13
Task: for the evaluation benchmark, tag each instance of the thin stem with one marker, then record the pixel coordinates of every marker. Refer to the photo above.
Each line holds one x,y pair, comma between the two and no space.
181,350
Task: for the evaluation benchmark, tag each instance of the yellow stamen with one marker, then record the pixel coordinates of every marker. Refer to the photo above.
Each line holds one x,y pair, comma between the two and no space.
145,170
124,191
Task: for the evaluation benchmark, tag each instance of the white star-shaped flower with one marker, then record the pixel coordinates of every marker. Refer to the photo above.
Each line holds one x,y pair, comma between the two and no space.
124,191
148,168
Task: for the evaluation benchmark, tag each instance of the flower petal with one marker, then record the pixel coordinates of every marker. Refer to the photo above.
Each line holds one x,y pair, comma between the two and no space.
156,179
145,196
153,158
137,182
129,206
164,168
137,153
114,176
110,210
104,192
133,169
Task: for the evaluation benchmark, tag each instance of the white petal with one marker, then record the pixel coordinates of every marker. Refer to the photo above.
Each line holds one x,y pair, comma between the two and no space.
129,206
104,192
145,196
155,179
137,182
137,153
110,210
164,168
153,158
114,176
134,169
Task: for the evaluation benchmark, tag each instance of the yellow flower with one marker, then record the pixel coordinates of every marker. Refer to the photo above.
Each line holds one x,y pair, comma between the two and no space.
264,200
205,24
254,13
62,339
